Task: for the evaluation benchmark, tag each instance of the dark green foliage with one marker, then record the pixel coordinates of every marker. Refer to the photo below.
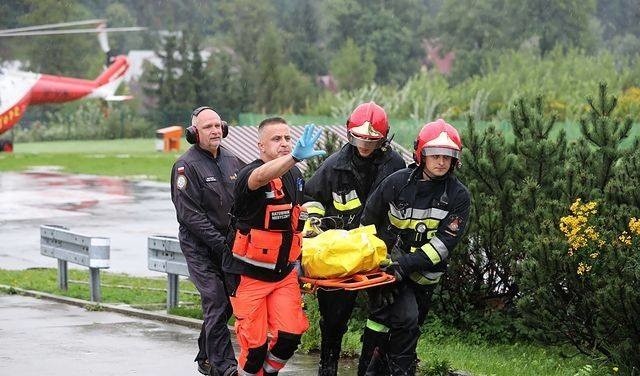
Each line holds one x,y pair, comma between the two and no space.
353,67
480,277
388,29
605,134
229,88
280,87
74,55
181,84
517,273
587,295
435,368
301,23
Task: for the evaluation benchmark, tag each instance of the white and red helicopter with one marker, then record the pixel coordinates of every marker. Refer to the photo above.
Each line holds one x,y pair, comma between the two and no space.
20,89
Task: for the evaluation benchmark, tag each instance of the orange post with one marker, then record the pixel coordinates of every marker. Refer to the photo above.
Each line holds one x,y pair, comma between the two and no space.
168,139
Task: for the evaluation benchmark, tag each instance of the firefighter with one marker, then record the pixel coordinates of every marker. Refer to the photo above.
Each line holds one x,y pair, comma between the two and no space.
202,182
265,248
339,188
421,213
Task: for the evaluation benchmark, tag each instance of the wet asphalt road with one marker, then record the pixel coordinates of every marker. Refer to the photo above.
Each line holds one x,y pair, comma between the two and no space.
127,212
41,337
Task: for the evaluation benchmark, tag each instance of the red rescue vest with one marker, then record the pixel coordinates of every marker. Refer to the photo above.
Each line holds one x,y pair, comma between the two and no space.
278,238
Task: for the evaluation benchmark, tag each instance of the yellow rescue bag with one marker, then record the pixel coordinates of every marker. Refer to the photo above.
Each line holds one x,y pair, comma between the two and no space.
342,253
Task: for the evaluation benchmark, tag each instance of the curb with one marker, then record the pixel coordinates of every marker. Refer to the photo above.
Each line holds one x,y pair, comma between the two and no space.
96,306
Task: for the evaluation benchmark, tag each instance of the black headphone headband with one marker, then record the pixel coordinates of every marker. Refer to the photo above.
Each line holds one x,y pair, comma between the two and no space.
191,133
198,110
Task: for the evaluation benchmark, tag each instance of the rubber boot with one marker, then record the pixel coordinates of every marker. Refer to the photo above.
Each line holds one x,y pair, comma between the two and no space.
402,365
372,360
329,357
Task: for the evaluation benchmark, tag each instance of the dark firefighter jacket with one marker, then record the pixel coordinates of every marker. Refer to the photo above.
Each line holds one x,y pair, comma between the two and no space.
422,218
343,182
202,192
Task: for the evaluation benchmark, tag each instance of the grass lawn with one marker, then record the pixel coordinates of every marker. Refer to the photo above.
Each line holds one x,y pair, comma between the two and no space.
127,158
143,293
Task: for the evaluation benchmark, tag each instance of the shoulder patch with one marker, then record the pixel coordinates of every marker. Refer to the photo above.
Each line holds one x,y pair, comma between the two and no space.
181,181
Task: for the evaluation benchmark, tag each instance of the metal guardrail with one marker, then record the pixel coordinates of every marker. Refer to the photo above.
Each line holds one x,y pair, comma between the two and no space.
67,246
165,255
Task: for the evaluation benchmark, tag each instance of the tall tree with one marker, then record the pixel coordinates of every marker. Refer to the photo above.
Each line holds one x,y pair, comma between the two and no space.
228,94
387,28
76,55
279,86
270,58
182,82
353,67
563,22
10,10
619,17
244,22
118,15
303,43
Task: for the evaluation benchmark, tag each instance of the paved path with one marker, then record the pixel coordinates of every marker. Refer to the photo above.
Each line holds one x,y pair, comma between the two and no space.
41,337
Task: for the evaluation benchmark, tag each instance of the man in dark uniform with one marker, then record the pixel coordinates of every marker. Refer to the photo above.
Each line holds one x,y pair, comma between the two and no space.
202,182
260,268
339,188
421,213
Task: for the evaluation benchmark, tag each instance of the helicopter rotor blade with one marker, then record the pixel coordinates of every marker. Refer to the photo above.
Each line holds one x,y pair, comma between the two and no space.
102,38
52,26
74,31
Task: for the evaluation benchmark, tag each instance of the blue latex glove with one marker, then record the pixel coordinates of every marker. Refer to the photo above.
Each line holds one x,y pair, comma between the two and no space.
304,148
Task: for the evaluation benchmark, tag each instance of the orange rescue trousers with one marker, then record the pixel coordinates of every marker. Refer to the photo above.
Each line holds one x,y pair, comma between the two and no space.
274,307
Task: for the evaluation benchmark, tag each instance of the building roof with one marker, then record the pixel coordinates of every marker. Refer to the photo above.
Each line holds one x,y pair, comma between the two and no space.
243,141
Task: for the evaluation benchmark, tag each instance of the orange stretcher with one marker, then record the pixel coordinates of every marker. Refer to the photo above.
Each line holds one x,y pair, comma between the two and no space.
354,282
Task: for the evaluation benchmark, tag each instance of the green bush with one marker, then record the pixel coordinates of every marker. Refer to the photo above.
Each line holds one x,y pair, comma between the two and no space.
562,78
87,121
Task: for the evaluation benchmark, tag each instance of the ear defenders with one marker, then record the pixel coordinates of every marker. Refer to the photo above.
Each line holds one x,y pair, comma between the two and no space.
191,133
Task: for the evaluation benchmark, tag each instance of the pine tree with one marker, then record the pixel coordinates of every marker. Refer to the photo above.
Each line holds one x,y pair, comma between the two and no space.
479,276
605,133
579,280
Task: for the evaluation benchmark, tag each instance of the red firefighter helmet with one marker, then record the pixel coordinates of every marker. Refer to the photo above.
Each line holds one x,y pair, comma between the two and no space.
368,126
437,138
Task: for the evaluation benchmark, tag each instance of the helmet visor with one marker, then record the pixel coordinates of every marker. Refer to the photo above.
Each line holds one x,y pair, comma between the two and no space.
365,142
441,151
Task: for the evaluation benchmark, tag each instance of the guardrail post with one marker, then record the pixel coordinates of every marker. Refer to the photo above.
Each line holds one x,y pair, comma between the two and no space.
63,275
173,290
94,285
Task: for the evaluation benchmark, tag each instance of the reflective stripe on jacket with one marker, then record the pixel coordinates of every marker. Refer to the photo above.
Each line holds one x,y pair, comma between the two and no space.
425,216
337,188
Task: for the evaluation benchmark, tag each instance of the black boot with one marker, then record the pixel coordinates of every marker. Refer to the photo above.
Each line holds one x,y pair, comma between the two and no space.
329,356
402,365
372,360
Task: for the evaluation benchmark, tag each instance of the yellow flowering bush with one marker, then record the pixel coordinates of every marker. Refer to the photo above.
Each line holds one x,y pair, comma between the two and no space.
629,103
582,236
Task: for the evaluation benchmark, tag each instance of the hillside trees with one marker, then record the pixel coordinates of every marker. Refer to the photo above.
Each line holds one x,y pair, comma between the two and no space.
388,29
74,55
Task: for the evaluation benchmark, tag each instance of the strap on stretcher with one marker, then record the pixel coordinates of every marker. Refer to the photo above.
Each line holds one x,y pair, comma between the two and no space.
355,282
